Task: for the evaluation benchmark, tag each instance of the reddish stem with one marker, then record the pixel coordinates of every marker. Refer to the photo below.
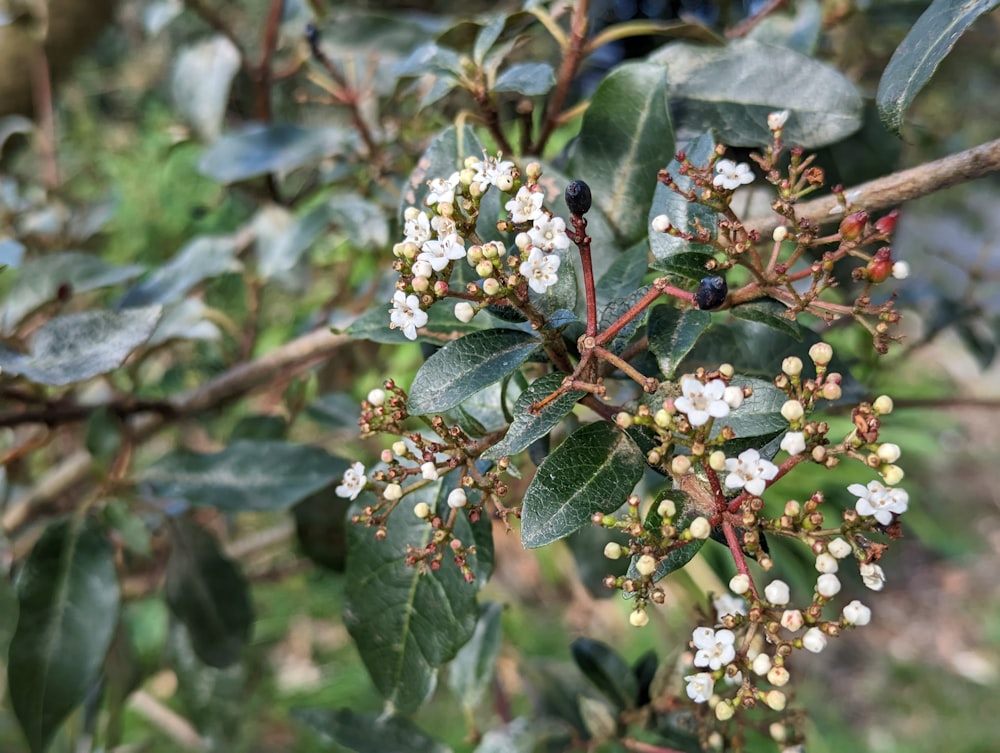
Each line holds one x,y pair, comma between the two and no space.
660,287
582,240
737,551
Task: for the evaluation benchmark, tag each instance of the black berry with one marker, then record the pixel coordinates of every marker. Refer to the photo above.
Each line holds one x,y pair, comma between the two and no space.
711,293
578,197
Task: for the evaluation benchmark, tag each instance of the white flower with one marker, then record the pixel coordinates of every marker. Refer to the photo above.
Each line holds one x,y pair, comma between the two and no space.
526,206
839,548
700,402
438,253
418,228
732,175
728,604
872,576
776,120
826,562
442,190
777,592
490,169
856,613
715,647
828,585
814,640
443,225
700,687
406,314
549,233
457,498
793,442
879,501
900,270
750,471
353,483
429,471
540,270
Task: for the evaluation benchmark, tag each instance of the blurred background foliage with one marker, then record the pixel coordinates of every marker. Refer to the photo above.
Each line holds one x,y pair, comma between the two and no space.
132,188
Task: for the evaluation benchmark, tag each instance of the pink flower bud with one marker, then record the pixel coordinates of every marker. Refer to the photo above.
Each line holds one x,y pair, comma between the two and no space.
853,225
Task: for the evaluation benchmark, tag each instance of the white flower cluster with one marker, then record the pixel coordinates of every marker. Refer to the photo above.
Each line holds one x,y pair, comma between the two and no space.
433,241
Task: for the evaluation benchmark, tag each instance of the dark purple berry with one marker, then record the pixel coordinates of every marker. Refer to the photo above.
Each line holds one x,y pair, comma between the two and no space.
711,293
578,197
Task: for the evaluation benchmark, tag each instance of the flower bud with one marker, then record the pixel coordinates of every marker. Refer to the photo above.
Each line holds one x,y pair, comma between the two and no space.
422,268
739,583
777,592
831,391
779,234
792,620
578,197
814,640
887,224
853,225
882,405
422,510
646,564
429,471
464,311
457,498
775,699
717,461
660,223
700,528
879,269
821,353
900,270
376,397
399,447
680,465
826,562
484,268
491,286
761,664
667,508
839,548
661,418
522,241
776,120
733,396
504,182
792,366
792,410
393,492
891,474
779,677
638,618
724,711
624,420
856,613
612,550
828,585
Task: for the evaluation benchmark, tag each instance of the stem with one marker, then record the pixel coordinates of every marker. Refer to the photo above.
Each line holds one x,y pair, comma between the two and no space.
262,73
42,93
582,240
660,287
737,551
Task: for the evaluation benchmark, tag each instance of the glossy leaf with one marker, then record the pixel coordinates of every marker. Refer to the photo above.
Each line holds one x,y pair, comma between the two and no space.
527,79
683,214
687,510
626,134
246,475
918,56
692,266
824,106
200,259
203,74
361,732
758,420
321,528
614,311
562,295
69,598
77,347
406,624
207,592
770,313
363,221
608,671
472,670
258,149
527,426
488,34
444,156
799,31
335,410
467,365
43,278
593,470
282,238
673,333
625,274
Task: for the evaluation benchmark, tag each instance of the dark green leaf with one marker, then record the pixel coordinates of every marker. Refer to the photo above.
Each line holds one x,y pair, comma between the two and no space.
444,156
467,365
76,347
471,671
201,259
824,106
608,671
527,79
489,33
687,510
246,475
336,410
406,624
673,333
800,31
259,427
69,599
685,265
527,426
615,310
770,313
683,214
430,58
259,149
626,134
441,325
207,592
625,274
202,75
361,732
282,238
363,221
918,56
321,528
593,470
41,279
758,420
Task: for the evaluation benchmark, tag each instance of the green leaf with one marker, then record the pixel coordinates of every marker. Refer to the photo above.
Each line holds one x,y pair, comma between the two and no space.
321,528
824,106
525,734
42,279
625,274
527,426
282,238
617,308
335,410
444,156
562,295
361,732
673,333
626,134
683,214
685,265
200,259
608,671
187,320
918,56
207,592
471,671
758,420
406,624
246,475
800,31
768,312
687,510
69,599
527,79
363,221
467,365
202,76
76,347
259,149
441,325
489,33
593,470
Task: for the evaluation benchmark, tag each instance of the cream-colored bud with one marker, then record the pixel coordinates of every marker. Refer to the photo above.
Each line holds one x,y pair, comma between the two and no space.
739,583
638,618
680,465
717,461
792,410
892,474
464,311
779,234
882,405
399,447
821,354
422,510
376,397
792,366
724,711
612,550
646,564
775,700
700,528
888,452
393,492
666,508
778,676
